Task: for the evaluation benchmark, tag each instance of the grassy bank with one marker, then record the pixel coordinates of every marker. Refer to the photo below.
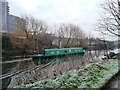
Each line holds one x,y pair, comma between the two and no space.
94,75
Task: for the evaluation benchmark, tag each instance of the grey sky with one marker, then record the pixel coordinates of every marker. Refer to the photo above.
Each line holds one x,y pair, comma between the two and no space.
81,12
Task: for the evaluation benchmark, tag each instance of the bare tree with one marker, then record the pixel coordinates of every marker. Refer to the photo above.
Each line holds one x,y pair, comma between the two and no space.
69,35
81,38
45,40
110,20
70,31
59,31
31,27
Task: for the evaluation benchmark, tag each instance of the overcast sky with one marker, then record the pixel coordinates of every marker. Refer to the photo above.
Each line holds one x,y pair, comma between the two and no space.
83,13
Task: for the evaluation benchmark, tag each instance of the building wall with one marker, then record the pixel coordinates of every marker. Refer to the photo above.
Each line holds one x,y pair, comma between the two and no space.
4,15
12,22
16,22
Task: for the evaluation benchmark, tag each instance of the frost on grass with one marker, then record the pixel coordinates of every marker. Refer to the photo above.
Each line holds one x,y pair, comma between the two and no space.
94,75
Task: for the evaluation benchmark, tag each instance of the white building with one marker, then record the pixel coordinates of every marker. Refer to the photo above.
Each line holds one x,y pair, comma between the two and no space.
4,15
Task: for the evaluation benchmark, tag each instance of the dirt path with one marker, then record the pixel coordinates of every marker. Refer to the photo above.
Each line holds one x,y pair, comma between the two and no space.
113,83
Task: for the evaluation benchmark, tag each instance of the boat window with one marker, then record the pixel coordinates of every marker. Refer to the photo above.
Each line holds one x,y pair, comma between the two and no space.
65,51
51,52
58,52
